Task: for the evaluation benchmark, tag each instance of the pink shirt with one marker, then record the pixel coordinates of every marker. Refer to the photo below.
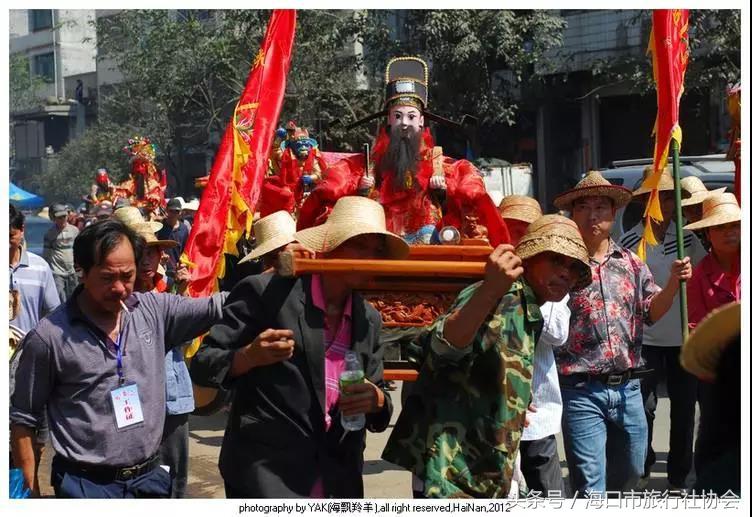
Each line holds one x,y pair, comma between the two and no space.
337,342
711,287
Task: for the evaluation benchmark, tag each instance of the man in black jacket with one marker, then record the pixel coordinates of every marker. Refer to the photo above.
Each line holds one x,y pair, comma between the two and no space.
284,437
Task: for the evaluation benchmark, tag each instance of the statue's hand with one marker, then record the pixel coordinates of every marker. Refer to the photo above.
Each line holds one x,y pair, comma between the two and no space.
308,180
437,182
366,183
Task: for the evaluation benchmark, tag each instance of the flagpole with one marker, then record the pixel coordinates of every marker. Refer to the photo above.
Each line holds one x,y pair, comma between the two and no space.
680,238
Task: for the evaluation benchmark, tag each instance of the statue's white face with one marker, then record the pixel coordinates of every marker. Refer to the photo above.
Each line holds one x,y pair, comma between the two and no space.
406,118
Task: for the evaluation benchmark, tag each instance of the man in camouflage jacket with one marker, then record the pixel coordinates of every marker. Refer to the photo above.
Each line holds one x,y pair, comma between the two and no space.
459,430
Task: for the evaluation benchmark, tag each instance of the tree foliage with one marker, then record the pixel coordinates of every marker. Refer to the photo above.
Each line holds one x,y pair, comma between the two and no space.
182,76
179,74
479,59
70,173
24,86
714,60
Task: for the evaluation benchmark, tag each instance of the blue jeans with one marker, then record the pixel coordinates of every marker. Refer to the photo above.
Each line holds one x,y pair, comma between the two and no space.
605,435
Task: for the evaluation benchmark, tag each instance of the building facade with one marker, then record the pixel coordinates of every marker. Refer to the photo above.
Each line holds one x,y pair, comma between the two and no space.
584,124
59,46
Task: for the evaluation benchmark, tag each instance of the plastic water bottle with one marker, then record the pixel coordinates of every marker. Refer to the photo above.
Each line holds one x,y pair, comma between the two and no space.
353,374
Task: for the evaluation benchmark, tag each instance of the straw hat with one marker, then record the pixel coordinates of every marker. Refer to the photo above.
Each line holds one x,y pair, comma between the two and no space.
272,232
594,184
145,231
352,216
665,182
717,210
560,235
697,191
130,215
703,350
132,218
521,208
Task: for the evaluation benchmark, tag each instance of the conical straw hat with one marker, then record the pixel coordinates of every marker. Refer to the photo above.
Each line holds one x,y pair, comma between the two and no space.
130,215
592,185
560,235
697,191
521,208
665,182
717,210
703,350
352,216
272,232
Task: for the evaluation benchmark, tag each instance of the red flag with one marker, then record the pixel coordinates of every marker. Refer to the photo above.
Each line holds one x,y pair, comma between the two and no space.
230,197
669,46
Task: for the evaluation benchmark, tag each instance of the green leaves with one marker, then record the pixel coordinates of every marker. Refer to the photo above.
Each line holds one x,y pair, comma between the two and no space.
182,75
71,172
714,55
192,71
24,86
467,49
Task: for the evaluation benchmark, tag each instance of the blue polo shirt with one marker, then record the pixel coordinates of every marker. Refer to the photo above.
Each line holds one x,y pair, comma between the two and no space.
32,278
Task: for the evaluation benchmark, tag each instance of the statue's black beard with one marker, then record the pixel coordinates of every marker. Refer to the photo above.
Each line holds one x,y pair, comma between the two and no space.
401,157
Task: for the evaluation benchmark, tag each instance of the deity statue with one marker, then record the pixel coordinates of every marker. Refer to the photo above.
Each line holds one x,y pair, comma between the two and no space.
420,189
146,184
296,167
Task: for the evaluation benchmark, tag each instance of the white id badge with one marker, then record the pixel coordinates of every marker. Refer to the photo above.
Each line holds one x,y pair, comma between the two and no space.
127,406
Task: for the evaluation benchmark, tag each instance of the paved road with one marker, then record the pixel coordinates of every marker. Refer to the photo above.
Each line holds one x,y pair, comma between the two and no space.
382,479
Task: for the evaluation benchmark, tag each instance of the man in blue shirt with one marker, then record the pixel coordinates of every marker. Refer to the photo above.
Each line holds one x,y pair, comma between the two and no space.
97,364
32,286
174,230
32,295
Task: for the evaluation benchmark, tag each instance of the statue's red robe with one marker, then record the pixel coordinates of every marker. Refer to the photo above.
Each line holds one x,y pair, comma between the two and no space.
284,190
408,210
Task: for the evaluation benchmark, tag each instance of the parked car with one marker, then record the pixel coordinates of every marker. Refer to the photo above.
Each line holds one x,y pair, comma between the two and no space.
34,229
714,171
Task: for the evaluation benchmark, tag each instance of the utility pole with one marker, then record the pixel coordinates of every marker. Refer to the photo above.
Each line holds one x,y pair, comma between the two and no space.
54,52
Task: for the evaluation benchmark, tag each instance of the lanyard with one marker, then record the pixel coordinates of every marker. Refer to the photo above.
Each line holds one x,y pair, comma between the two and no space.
119,354
119,357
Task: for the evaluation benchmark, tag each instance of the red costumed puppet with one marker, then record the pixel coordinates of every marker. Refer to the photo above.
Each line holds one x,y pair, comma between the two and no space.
297,166
420,189
146,185
102,189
